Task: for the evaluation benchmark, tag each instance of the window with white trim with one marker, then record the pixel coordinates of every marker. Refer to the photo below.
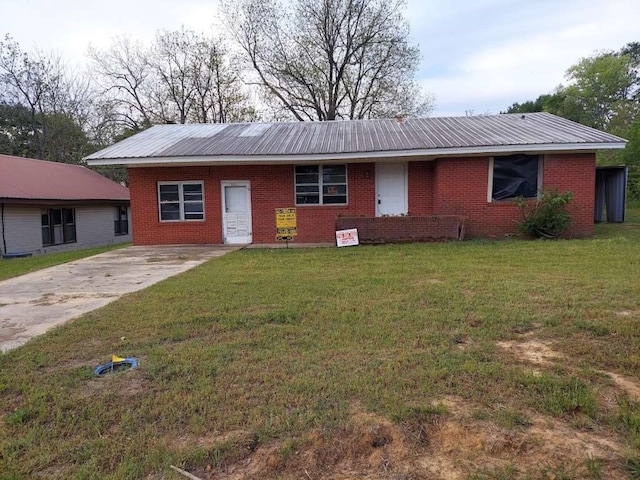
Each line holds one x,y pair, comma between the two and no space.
514,176
181,201
321,184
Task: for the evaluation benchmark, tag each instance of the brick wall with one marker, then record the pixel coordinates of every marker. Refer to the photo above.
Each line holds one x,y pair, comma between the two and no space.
405,229
421,181
577,173
462,184
272,186
453,186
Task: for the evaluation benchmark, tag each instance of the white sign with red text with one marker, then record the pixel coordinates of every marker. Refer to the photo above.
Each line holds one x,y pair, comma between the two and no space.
347,238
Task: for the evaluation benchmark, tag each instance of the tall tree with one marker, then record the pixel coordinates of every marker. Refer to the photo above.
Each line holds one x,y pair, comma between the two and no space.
601,87
195,80
181,77
603,92
44,106
330,59
123,74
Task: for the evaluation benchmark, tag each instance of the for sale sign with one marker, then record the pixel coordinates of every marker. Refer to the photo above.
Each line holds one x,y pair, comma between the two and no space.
286,223
347,238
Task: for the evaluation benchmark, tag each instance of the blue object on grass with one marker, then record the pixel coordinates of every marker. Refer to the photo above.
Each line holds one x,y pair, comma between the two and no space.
110,367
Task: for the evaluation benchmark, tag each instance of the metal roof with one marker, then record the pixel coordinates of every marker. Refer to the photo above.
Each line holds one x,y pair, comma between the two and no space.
30,179
357,138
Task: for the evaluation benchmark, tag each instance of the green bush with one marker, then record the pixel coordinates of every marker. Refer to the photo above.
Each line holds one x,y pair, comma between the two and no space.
546,216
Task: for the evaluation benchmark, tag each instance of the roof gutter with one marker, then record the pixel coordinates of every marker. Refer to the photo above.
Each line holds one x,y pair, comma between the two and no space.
62,201
354,156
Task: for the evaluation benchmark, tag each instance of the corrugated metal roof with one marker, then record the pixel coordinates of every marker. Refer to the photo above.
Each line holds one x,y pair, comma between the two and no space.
30,179
269,140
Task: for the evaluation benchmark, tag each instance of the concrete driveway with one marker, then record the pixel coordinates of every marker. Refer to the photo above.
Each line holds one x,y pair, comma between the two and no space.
33,303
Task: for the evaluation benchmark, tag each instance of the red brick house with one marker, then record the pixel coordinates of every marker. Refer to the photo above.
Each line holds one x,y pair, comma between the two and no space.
396,179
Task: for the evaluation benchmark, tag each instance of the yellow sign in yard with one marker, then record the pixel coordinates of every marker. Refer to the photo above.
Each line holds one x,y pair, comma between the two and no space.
286,223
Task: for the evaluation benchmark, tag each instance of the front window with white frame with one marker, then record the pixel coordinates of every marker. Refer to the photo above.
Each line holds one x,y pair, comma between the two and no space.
181,201
514,176
321,184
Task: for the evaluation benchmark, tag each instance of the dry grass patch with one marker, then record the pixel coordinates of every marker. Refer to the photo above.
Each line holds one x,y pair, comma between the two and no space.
451,446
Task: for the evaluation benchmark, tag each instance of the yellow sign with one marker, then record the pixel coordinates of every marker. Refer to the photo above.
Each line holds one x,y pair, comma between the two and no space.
286,222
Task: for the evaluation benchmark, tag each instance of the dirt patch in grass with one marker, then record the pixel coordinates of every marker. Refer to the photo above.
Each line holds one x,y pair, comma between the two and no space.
631,387
534,351
452,446
541,353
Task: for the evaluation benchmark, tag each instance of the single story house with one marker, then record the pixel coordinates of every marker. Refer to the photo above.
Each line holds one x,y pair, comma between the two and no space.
402,179
49,207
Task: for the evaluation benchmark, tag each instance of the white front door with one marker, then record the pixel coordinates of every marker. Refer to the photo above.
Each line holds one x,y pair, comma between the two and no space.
391,189
236,212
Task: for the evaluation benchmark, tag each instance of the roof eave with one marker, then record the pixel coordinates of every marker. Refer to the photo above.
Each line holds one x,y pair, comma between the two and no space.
63,201
355,156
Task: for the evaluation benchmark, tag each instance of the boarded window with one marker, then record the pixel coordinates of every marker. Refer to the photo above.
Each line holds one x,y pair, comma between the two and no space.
515,176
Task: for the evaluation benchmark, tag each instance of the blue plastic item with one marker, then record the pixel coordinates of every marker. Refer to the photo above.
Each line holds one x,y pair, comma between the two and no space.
110,367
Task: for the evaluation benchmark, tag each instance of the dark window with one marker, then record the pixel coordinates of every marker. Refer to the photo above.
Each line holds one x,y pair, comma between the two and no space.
58,226
181,201
321,184
121,221
515,176
46,228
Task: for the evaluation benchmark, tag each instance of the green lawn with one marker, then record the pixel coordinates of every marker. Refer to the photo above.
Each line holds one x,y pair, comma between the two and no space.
367,362
19,266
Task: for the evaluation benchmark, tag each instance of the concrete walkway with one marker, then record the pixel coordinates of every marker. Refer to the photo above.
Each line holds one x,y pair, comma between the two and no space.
35,302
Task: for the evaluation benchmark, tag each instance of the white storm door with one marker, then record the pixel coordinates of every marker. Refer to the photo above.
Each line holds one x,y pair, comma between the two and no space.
236,212
391,189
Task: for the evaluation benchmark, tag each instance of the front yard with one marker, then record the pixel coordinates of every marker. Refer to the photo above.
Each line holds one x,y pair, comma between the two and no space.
473,360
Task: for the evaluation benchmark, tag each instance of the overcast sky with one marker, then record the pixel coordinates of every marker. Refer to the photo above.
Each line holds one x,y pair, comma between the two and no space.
477,55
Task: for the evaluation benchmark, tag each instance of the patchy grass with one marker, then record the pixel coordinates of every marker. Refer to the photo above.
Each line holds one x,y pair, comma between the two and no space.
19,266
369,360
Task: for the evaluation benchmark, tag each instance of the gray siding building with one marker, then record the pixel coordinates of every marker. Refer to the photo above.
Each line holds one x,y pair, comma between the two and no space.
51,207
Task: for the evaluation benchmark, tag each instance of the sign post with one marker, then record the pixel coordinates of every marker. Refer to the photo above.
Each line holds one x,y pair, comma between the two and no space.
286,224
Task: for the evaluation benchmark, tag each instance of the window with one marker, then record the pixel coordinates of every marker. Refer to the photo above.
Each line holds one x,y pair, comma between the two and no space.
514,176
121,221
180,201
321,184
58,226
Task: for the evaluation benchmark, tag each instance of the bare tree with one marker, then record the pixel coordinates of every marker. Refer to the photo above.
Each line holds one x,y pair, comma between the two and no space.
123,74
329,59
172,62
182,77
221,95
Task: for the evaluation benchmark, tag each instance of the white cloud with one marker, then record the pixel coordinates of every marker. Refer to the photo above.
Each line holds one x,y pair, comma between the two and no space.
497,71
